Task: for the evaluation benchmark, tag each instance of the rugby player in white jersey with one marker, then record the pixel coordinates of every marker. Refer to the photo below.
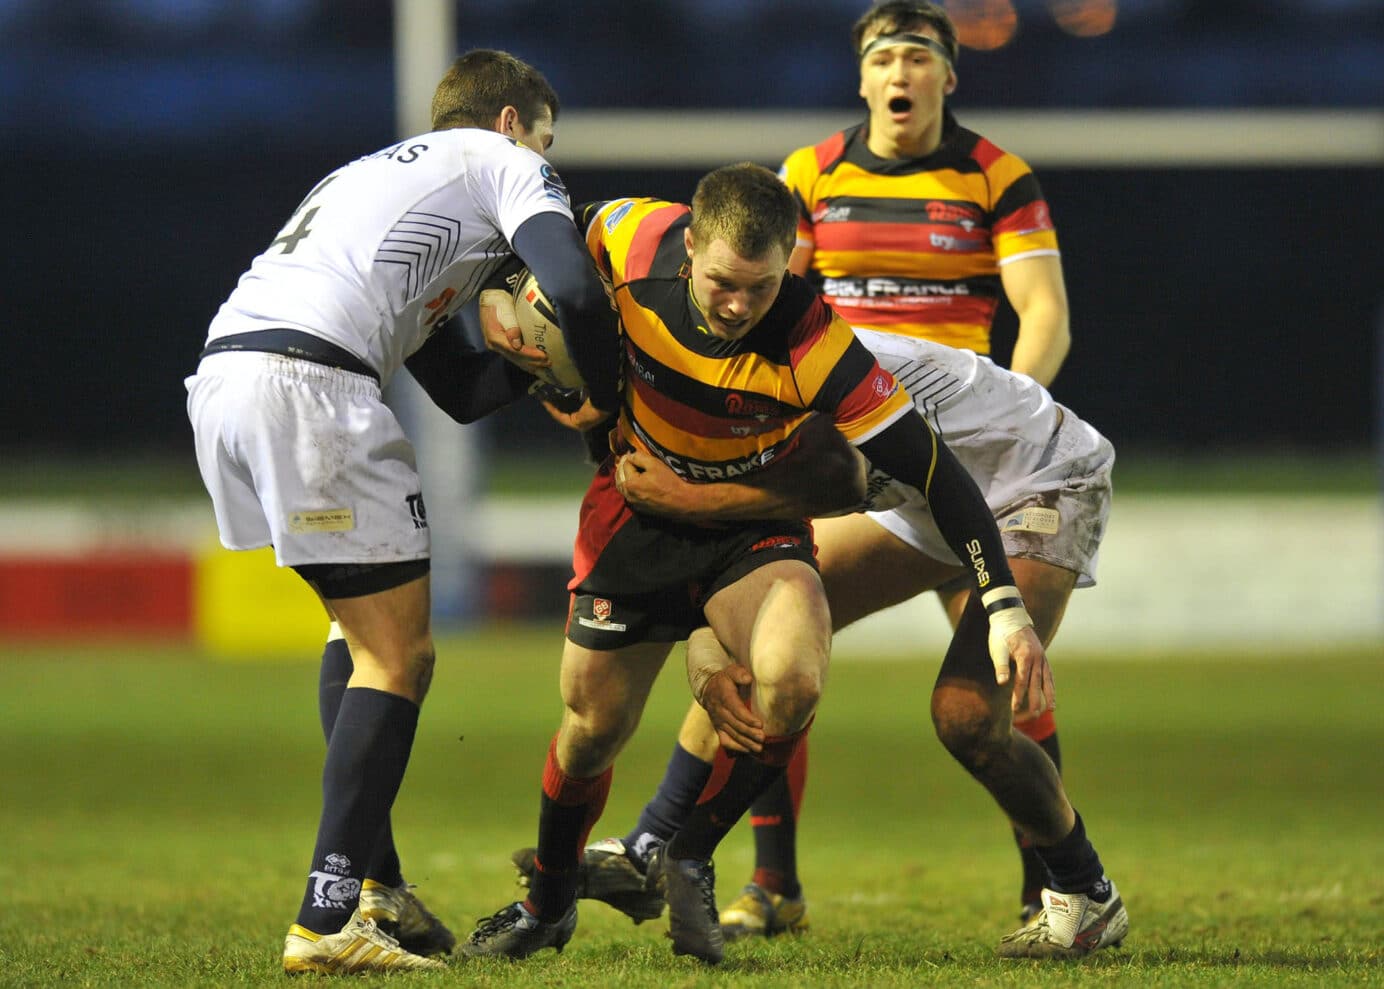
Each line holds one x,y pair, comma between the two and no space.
298,450
1045,474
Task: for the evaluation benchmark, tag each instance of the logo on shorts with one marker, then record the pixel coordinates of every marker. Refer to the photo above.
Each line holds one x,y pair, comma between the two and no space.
1044,520
417,510
601,610
322,520
777,542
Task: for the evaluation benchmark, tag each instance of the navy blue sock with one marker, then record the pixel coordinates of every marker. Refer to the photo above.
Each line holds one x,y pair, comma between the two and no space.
366,759
1074,864
677,794
1035,872
712,819
336,671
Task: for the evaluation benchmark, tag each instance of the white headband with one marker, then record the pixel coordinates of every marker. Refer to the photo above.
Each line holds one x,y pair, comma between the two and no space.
911,40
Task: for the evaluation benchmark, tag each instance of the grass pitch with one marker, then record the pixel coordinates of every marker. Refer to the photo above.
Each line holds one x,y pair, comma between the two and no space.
157,809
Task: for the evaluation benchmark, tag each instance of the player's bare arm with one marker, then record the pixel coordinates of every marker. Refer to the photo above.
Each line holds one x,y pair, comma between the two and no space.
1036,290
823,475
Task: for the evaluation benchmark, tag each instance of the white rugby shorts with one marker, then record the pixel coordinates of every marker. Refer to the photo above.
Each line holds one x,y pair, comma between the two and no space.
1060,521
1043,471
306,458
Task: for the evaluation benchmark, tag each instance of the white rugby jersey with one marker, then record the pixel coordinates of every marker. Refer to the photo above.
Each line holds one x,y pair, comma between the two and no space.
999,424
385,248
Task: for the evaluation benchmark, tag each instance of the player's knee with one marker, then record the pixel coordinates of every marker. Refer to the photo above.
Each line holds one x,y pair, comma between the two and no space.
594,735
789,697
968,726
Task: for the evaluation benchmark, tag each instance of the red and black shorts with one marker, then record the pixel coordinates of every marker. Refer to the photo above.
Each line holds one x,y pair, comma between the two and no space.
642,578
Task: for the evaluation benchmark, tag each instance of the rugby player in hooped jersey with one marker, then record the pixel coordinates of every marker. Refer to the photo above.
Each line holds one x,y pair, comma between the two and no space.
727,356
911,226
298,449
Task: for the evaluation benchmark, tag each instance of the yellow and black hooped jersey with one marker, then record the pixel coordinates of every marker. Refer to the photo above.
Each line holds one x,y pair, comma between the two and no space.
914,246
715,409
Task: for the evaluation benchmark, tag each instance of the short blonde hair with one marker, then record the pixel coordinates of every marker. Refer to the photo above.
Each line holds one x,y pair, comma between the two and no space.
748,207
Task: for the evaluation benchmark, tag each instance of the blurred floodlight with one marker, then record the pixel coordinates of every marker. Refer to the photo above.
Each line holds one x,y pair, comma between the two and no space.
1084,18
983,24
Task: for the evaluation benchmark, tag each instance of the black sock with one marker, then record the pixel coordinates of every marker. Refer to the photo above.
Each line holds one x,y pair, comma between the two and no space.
677,794
366,759
1035,872
1074,865
336,671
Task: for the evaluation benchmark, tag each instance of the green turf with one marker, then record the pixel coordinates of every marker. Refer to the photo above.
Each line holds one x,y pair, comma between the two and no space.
158,807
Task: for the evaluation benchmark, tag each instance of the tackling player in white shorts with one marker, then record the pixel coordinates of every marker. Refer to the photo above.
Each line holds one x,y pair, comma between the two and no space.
299,451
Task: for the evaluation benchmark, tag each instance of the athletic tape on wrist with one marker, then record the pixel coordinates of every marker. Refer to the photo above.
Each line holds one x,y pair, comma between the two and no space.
1006,609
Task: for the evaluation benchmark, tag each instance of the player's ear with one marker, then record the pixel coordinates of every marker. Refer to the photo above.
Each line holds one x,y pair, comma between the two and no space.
505,122
950,86
687,240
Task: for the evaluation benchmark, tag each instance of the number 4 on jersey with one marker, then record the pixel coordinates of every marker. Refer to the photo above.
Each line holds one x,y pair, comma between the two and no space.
289,238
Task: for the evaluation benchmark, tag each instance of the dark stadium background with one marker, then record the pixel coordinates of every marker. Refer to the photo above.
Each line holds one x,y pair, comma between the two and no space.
152,148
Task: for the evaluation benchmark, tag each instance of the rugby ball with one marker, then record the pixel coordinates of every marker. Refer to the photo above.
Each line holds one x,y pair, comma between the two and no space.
538,326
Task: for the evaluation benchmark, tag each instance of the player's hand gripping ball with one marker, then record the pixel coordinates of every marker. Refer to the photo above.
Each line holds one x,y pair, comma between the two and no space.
538,326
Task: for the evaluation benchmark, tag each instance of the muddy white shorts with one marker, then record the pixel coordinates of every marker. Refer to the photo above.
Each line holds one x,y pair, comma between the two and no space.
307,458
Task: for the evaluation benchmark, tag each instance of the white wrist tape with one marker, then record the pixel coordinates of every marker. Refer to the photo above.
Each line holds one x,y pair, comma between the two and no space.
1008,615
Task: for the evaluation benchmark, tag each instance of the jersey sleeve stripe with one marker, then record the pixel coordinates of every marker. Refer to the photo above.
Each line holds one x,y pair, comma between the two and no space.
1043,252
639,259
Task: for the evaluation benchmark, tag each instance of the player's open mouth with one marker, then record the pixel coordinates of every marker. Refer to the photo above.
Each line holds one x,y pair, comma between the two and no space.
900,105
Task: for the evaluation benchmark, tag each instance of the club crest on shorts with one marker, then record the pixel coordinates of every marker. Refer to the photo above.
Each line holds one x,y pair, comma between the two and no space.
601,612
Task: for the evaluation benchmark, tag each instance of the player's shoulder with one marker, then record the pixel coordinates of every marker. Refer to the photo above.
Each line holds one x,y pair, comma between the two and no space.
811,160
641,237
989,156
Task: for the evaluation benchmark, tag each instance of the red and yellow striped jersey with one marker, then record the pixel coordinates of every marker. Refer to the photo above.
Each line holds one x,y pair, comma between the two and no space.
914,246
710,408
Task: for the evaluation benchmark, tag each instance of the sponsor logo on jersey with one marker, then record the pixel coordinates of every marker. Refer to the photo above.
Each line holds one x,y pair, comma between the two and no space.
552,182
963,215
875,288
616,215
826,213
745,405
322,520
945,242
